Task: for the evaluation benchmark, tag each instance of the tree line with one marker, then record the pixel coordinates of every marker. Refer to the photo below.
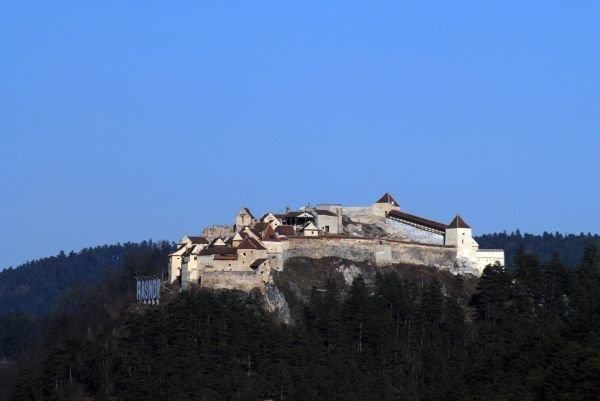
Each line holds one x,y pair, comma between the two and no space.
569,247
528,333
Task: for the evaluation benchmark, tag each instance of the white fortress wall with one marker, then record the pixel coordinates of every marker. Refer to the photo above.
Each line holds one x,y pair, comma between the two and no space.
416,234
486,257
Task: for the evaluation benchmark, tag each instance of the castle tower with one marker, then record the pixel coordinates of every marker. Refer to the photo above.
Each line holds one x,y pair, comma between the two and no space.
460,235
243,218
383,206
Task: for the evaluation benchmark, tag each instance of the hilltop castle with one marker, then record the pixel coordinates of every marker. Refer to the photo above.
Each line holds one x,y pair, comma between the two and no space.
244,255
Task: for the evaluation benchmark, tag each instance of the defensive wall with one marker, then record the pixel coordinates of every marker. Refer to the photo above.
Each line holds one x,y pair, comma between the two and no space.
417,234
376,250
234,280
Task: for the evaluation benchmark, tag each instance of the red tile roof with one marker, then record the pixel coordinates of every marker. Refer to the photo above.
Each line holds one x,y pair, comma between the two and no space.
387,198
260,227
324,212
218,250
250,243
398,215
458,222
285,230
198,240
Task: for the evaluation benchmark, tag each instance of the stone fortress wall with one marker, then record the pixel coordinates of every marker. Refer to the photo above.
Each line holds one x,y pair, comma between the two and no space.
228,280
379,251
245,257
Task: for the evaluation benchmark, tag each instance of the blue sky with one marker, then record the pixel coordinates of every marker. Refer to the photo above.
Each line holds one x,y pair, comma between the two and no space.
132,120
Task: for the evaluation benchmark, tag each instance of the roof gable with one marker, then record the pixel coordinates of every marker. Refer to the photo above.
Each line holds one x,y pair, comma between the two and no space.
247,211
268,217
198,240
458,222
217,241
309,226
387,198
250,243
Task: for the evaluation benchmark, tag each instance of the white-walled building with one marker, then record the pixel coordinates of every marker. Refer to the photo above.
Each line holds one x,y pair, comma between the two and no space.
257,247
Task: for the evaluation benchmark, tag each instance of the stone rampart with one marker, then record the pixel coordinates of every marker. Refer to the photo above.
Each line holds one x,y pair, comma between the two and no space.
376,250
230,280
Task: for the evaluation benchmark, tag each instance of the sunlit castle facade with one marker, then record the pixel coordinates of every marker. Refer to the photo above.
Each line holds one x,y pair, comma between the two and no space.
245,254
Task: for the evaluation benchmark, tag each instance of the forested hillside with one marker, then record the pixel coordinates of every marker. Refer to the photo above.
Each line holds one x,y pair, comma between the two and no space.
34,287
569,247
531,334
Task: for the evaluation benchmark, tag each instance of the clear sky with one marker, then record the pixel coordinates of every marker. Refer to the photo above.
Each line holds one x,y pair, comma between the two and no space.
128,120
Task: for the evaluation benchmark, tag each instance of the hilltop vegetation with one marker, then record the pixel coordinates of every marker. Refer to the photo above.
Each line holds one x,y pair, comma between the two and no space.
527,334
569,247
33,288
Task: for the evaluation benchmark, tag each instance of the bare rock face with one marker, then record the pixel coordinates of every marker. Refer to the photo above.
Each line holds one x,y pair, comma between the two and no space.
277,304
293,285
218,231
365,230
386,228
464,266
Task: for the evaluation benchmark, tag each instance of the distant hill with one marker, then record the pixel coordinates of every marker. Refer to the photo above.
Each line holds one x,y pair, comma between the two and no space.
532,333
569,248
34,287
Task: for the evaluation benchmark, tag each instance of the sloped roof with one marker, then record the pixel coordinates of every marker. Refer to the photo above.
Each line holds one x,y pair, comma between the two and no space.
417,220
264,216
188,251
214,242
458,222
269,234
323,212
198,240
218,250
387,198
261,226
285,229
309,226
247,211
250,243
293,214
179,251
